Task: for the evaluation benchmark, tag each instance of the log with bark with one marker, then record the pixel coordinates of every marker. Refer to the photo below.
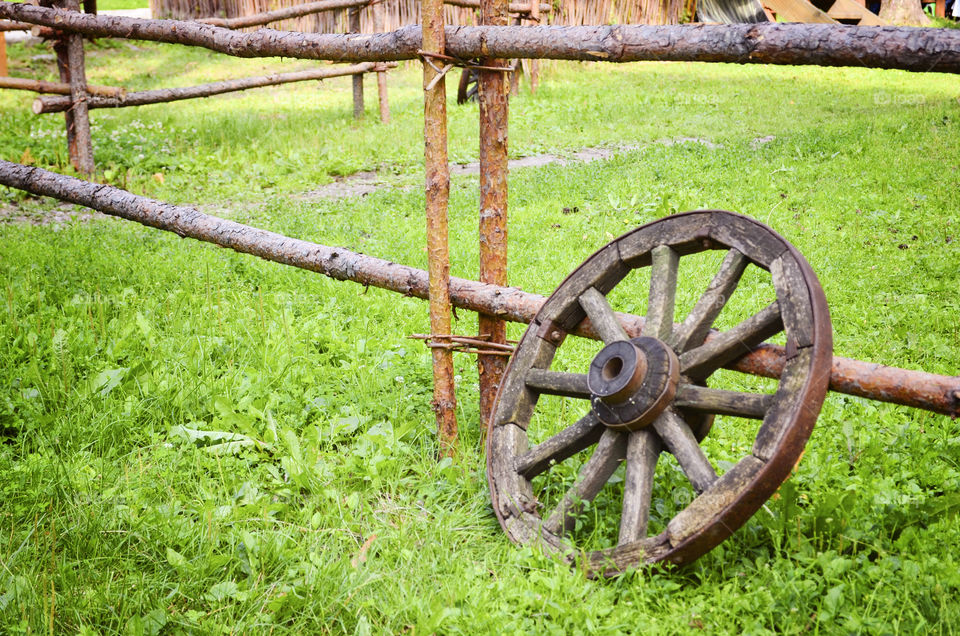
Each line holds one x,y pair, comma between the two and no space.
937,393
921,50
6,25
140,98
514,7
56,88
296,11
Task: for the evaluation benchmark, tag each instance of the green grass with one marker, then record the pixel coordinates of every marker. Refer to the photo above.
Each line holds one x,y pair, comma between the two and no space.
119,343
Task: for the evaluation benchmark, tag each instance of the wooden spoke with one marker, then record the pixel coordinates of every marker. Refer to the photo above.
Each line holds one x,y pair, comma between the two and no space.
679,440
663,292
731,344
720,402
698,322
602,316
643,449
610,452
557,383
567,443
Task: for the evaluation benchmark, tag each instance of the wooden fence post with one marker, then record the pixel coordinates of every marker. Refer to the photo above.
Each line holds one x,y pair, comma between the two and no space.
70,63
493,90
3,53
438,253
354,27
534,64
378,27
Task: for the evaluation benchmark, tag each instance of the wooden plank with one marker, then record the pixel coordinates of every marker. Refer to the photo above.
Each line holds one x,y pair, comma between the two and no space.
610,451
602,316
557,383
3,53
565,444
793,297
731,344
775,422
663,292
698,322
753,239
684,233
680,441
721,402
798,11
852,10
643,449
705,508
514,494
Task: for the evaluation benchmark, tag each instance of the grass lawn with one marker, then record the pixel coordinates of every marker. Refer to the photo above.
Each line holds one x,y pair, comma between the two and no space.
125,352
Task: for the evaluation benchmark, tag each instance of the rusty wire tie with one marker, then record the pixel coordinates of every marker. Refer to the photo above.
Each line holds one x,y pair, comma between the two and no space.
452,62
466,344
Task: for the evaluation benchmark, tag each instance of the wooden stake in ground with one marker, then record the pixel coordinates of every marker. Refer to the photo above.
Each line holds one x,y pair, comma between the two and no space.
3,53
70,62
534,64
354,14
493,93
378,27
438,195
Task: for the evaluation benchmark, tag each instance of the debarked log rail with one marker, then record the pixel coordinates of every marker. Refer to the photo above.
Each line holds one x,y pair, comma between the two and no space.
163,95
912,49
937,393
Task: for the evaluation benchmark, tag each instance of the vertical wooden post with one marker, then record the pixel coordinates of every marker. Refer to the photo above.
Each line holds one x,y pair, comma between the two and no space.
378,27
70,63
3,53
534,64
438,253
515,76
941,8
354,16
493,90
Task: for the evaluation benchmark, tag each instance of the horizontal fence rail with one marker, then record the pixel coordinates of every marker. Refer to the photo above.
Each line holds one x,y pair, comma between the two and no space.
163,95
937,393
906,48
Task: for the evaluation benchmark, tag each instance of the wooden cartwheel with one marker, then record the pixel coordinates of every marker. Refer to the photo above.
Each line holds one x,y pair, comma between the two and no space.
646,393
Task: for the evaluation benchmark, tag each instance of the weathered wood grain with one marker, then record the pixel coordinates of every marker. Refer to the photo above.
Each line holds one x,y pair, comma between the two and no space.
680,441
705,508
794,300
643,449
593,475
698,322
663,292
722,402
558,383
565,444
602,316
731,344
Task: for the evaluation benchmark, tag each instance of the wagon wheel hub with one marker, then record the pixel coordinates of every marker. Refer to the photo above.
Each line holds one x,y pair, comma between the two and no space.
632,381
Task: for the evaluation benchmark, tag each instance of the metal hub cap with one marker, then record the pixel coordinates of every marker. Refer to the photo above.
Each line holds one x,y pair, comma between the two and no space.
632,381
